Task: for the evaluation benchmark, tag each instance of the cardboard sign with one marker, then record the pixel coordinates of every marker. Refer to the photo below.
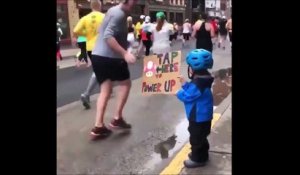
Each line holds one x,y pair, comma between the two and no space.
160,73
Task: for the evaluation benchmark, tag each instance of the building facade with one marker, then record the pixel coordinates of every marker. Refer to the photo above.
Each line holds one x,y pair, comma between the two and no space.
63,11
194,8
218,8
70,11
174,9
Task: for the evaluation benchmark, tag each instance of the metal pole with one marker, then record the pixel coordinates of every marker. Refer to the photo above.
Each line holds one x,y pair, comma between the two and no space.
215,7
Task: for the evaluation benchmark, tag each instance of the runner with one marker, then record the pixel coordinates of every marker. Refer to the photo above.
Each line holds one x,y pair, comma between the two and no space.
59,33
88,26
203,31
229,28
213,22
171,36
138,28
146,35
187,28
82,58
161,33
109,60
175,25
131,34
223,32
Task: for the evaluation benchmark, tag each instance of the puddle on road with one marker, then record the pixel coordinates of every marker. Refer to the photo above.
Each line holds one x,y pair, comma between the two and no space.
163,147
168,147
222,85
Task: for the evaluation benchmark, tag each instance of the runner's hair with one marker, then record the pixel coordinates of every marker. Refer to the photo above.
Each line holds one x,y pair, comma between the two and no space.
95,4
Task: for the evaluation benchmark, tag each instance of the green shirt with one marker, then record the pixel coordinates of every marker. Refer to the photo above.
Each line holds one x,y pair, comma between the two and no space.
81,39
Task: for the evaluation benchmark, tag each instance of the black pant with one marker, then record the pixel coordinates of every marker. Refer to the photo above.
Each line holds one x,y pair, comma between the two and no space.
202,44
186,36
83,55
198,140
89,54
147,44
58,50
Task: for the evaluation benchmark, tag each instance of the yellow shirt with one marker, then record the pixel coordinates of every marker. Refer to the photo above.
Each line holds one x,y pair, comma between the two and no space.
88,27
138,27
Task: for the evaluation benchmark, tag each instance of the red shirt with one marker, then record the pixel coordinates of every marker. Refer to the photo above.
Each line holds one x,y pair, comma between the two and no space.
214,24
144,35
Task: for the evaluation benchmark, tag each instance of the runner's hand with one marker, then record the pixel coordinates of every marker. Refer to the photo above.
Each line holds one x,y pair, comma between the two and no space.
129,57
74,40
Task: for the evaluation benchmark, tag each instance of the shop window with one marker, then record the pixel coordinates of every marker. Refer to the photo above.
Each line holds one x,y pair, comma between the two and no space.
179,18
172,20
223,6
62,18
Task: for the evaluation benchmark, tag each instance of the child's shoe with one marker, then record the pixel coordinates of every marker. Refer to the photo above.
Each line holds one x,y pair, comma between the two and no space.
192,164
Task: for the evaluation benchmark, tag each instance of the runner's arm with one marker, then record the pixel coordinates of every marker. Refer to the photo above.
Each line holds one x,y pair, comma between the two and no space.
212,31
109,36
195,29
60,31
78,29
227,24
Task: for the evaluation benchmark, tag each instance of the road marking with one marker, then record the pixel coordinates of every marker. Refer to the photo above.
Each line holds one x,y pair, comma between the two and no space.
176,164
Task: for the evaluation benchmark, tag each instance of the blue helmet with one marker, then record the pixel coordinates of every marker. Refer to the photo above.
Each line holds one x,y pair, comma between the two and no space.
199,59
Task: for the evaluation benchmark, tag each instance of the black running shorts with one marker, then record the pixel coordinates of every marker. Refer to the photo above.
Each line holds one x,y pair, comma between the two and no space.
230,36
110,68
186,36
89,54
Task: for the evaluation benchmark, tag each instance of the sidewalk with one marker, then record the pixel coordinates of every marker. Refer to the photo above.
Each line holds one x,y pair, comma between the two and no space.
220,149
69,52
68,55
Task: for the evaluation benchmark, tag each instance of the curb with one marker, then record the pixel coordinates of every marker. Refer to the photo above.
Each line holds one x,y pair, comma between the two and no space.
224,105
74,104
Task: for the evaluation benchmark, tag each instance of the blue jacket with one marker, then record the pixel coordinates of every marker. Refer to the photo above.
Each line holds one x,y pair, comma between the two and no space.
198,99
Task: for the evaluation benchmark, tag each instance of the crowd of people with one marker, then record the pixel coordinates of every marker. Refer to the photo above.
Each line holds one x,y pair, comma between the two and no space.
111,41
141,38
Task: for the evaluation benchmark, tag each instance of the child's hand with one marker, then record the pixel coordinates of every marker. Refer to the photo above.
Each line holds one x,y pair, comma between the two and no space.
182,79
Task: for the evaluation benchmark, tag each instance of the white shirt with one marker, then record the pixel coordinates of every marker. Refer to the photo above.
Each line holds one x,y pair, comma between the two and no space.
146,26
161,43
187,28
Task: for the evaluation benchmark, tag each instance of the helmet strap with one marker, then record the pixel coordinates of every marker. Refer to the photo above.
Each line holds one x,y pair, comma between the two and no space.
190,77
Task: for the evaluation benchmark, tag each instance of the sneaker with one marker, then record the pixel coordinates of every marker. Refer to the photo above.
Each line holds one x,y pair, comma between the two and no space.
85,101
224,48
219,45
192,164
119,124
100,131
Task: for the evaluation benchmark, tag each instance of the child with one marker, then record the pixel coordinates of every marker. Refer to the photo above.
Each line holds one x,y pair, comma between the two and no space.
198,101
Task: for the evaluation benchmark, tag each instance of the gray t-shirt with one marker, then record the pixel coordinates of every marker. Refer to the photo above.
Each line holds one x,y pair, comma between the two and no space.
113,25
